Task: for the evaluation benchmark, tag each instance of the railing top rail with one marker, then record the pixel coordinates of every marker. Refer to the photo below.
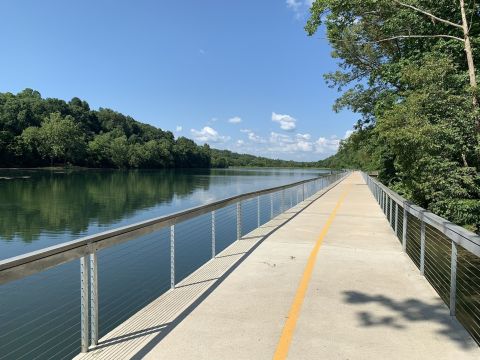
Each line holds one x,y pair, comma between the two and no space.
456,233
57,254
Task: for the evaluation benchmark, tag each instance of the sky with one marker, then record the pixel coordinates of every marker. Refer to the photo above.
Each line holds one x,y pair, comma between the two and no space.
239,74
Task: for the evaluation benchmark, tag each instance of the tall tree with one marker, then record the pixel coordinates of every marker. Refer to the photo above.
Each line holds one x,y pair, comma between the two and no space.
409,69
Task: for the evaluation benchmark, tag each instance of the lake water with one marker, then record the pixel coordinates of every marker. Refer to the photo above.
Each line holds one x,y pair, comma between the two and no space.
40,315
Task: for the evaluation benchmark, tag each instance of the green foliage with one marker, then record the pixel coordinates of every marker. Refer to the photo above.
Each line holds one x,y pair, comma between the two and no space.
40,132
226,158
418,125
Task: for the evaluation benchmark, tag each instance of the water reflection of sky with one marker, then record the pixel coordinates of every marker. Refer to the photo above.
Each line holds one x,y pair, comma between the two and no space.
51,208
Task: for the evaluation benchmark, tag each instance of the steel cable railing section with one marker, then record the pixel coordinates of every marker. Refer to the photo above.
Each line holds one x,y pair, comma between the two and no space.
446,254
40,291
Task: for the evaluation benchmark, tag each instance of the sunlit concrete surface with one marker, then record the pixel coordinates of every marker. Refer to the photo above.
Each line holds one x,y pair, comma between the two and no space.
365,299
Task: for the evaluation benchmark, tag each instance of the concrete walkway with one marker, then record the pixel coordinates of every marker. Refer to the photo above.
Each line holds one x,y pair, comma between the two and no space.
365,298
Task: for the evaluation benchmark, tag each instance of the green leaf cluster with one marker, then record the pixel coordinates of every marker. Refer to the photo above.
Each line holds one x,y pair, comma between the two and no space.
417,126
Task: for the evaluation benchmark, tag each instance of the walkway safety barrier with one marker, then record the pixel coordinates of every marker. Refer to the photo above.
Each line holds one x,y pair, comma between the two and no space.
48,311
446,254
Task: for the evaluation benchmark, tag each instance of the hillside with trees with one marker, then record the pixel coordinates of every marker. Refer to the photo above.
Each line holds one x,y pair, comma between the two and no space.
38,132
408,69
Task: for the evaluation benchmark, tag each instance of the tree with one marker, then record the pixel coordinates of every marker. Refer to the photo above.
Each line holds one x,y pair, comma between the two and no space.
409,70
60,139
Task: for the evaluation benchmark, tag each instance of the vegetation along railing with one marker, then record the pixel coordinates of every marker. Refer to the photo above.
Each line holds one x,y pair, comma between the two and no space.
446,254
41,291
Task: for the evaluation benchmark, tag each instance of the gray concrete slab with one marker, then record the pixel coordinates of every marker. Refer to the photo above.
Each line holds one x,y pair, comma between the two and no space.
365,299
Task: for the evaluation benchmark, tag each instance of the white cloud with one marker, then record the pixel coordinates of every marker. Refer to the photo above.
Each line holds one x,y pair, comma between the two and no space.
348,133
286,122
301,143
330,145
212,121
208,134
304,136
282,143
178,128
294,4
235,120
299,7
253,137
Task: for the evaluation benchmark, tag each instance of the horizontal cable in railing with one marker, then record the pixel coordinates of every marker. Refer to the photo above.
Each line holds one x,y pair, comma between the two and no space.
449,255
159,256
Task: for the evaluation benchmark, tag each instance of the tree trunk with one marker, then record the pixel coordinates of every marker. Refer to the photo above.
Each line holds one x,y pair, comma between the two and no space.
468,52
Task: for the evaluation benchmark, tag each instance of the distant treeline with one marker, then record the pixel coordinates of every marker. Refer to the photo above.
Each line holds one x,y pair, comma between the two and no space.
37,132
225,158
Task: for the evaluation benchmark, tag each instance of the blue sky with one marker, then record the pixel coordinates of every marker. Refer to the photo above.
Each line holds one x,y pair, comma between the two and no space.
239,75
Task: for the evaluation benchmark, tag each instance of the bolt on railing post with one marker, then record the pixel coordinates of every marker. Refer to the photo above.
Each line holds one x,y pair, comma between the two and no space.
258,211
453,279
172,256
405,227
239,220
93,298
422,246
84,303
213,234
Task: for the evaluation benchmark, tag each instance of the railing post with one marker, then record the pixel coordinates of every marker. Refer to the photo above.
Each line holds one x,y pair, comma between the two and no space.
283,201
390,211
93,298
422,246
405,227
303,192
385,203
396,219
258,211
172,256
271,206
213,234
239,220
84,303
453,279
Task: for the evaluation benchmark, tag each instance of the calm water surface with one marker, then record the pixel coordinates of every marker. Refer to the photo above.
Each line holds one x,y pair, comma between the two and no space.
43,208
40,314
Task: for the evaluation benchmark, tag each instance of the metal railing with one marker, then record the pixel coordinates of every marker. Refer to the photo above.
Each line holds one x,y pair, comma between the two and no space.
446,254
57,326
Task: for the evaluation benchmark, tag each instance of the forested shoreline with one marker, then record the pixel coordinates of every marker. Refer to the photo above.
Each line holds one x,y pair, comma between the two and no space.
42,132
408,70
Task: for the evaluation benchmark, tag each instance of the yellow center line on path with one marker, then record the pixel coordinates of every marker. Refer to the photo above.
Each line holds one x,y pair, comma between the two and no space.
289,327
